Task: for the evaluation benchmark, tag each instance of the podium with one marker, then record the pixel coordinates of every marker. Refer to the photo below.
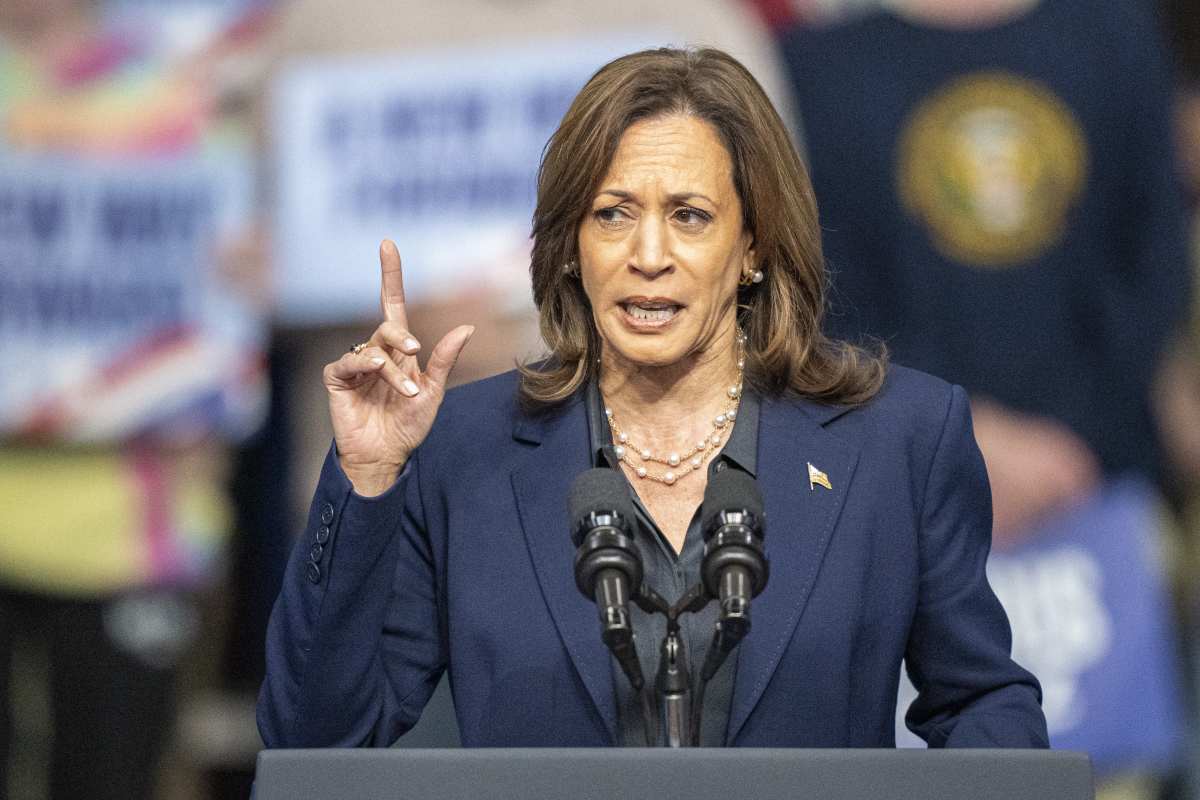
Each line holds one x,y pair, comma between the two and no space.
664,774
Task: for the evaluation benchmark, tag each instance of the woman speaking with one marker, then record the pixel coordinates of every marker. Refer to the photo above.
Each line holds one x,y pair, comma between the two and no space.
678,276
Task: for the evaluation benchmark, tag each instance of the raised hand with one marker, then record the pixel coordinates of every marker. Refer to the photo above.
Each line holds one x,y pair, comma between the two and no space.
382,404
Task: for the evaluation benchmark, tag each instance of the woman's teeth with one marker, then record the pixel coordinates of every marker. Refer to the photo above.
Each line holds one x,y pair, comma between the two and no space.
651,313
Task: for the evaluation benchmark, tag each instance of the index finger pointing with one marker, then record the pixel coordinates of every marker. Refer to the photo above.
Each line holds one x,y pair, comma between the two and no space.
391,288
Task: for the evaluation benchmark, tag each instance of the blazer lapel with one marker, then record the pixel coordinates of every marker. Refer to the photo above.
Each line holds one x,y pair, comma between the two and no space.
800,518
541,486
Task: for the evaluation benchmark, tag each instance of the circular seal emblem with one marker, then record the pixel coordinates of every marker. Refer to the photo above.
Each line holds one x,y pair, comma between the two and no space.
990,165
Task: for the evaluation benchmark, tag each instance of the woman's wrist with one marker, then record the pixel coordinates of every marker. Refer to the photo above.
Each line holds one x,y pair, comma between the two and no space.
370,480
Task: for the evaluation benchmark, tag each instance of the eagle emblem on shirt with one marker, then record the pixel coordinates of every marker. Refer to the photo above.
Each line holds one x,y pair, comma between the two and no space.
990,165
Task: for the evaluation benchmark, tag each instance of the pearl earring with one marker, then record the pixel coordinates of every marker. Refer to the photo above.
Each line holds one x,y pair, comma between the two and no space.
750,278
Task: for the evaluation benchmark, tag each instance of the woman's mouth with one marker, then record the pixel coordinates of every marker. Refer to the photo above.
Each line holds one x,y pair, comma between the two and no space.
650,312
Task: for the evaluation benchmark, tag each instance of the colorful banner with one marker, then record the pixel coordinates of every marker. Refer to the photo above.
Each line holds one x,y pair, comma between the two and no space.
1087,600
438,152
114,318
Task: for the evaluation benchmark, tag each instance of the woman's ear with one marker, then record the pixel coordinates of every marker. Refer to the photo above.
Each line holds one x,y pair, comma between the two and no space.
749,242
749,256
750,273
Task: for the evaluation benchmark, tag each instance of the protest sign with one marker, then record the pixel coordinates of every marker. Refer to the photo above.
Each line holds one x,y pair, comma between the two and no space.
115,320
438,151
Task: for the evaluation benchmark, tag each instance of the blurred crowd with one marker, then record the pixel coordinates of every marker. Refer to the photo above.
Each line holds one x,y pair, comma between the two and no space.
192,192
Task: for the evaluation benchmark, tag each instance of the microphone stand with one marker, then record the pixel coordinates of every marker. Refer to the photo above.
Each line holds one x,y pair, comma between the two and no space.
694,600
682,708
677,706
674,688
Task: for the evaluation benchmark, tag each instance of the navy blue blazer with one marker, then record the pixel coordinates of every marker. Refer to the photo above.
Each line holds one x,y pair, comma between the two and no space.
466,564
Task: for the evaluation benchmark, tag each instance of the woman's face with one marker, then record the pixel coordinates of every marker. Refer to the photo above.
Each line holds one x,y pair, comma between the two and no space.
662,246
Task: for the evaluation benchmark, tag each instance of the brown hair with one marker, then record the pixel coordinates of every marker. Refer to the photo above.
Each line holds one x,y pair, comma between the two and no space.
786,353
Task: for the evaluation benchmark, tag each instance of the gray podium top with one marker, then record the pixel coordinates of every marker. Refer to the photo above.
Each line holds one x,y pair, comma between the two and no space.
661,774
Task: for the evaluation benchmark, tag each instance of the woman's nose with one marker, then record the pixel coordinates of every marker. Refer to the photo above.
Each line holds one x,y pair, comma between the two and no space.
652,250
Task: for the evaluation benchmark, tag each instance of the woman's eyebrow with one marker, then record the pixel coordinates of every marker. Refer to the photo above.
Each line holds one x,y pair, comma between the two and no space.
621,193
681,197
677,197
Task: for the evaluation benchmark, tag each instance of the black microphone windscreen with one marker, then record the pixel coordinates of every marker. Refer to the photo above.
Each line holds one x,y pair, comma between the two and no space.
599,489
731,489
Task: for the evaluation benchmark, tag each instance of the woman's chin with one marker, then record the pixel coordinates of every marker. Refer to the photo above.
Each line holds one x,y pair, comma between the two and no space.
648,350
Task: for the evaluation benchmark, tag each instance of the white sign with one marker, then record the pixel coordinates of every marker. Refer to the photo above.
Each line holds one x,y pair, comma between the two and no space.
113,318
438,152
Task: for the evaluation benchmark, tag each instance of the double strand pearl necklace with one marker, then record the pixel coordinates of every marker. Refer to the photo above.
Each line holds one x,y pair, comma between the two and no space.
679,463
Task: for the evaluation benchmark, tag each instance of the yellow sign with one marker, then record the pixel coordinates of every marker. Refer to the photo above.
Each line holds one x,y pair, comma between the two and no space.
991,165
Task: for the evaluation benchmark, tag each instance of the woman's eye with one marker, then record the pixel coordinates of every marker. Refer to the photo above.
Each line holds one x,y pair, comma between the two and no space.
610,216
692,217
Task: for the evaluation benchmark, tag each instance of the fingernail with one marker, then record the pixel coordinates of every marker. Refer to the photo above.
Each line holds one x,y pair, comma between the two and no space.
410,388
377,361
412,345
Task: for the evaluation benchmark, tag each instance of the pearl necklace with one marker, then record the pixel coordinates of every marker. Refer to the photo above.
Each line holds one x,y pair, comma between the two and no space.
690,460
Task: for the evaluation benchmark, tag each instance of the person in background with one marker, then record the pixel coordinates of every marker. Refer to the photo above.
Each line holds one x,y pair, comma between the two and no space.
1008,220
1178,398
1000,204
1177,395
103,545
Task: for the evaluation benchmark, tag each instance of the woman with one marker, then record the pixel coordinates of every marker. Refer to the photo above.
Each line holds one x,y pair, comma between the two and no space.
677,271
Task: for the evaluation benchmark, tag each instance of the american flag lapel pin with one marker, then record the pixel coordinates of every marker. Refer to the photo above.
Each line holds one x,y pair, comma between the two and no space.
817,478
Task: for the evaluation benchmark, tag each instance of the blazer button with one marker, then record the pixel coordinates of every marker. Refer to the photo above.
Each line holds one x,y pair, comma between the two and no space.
314,555
323,534
327,513
313,573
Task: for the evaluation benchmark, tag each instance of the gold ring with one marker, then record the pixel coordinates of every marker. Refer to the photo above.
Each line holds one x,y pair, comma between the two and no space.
358,348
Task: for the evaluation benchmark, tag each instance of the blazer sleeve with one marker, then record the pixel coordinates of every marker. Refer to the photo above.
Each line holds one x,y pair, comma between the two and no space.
970,691
354,647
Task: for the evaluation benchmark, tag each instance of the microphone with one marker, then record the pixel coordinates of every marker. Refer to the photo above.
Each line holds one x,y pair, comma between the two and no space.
608,565
734,568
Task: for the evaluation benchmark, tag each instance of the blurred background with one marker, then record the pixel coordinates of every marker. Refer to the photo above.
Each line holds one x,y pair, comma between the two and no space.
192,194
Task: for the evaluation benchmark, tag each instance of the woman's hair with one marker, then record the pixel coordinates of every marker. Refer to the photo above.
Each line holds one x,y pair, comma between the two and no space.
786,353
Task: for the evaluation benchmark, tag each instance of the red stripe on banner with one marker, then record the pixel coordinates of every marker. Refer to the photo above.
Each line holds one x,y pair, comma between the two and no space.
53,415
154,345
